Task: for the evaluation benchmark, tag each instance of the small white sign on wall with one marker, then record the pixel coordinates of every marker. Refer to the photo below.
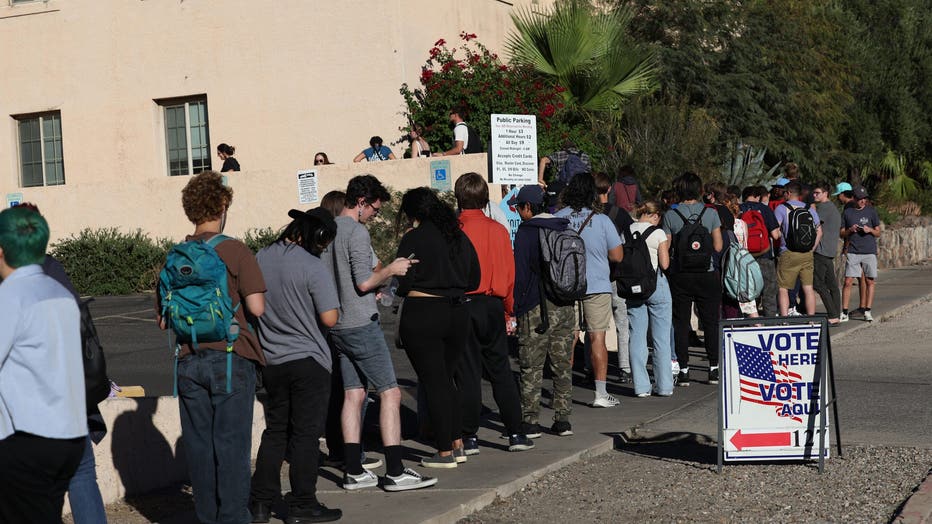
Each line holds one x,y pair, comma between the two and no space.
307,186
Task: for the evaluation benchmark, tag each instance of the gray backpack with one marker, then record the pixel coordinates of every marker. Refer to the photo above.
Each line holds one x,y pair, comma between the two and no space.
563,264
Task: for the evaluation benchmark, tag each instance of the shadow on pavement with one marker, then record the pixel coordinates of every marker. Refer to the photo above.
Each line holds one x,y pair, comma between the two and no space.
679,445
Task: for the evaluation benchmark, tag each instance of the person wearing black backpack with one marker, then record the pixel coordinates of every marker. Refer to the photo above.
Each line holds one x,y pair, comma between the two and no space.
801,232
43,419
558,162
466,139
655,311
695,233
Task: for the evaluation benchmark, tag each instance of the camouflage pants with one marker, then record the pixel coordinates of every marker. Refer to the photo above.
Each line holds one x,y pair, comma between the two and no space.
533,350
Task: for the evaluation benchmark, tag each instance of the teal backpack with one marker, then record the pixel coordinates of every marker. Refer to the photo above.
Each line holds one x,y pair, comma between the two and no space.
196,303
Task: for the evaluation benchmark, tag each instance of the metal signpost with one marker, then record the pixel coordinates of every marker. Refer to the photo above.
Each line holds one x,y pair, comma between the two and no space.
777,387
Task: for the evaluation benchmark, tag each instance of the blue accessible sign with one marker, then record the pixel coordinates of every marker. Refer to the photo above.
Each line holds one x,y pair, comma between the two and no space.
440,175
771,380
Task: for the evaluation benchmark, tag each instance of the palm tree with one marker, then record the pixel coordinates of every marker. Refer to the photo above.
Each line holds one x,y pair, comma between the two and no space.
586,50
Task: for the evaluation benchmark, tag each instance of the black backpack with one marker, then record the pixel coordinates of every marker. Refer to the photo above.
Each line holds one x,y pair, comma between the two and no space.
692,246
800,230
638,278
473,141
96,383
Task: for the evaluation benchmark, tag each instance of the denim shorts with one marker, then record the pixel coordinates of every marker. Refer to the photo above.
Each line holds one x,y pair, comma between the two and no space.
364,357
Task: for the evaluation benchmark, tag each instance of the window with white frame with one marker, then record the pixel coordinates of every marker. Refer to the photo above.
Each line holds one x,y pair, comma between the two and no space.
41,162
187,141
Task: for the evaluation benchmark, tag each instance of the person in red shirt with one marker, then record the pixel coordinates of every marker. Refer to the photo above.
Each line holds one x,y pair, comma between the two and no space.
491,318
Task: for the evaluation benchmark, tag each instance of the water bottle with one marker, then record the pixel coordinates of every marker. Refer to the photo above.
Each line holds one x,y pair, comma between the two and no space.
388,293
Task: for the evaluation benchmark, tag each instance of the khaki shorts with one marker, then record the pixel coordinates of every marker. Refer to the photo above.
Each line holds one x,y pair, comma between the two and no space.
791,265
597,312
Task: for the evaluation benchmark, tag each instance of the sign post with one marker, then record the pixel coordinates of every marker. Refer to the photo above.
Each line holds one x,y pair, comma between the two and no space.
513,155
777,386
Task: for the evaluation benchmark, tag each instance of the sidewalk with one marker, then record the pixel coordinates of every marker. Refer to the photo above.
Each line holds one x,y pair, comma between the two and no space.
497,473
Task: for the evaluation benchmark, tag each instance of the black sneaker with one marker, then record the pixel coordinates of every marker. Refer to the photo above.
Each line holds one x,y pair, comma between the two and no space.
624,377
530,430
562,428
713,375
471,445
520,443
682,379
318,513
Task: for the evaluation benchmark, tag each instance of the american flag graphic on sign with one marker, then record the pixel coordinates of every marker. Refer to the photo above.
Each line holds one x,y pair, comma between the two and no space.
760,372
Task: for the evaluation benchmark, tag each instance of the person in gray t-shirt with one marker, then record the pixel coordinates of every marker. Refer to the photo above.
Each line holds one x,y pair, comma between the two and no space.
300,299
861,228
360,342
823,259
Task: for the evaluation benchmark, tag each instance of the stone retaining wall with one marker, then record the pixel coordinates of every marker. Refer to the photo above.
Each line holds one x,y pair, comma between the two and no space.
905,246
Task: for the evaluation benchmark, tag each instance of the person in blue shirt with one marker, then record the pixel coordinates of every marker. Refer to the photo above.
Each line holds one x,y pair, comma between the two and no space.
43,424
602,245
376,152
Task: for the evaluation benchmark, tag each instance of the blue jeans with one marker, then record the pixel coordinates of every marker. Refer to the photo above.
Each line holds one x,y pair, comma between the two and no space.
87,507
657,311
216,430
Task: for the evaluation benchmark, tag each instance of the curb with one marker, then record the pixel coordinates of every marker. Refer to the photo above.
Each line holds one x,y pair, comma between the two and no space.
510,488
916,510
918,507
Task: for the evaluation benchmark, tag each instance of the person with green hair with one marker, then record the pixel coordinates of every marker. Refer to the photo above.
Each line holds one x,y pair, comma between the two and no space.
43,424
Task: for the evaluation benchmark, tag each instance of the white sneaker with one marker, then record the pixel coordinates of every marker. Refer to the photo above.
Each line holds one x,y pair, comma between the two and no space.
366,479
868,317
793,313
605,401
676,371
843,317
409,479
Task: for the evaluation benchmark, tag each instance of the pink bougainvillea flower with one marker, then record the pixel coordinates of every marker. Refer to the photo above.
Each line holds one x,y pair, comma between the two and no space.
440,42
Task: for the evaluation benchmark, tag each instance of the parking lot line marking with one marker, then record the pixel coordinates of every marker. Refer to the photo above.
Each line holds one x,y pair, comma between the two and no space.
124,315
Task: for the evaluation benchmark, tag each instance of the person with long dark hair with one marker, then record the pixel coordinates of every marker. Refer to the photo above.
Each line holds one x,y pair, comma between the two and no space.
434,320
226,152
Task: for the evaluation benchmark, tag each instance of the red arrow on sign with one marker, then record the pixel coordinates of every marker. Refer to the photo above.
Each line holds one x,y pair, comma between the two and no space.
759,440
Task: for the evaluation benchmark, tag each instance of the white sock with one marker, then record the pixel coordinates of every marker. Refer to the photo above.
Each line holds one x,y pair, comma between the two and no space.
600,388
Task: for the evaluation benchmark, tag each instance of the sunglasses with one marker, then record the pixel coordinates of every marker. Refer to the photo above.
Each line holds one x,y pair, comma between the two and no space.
318,161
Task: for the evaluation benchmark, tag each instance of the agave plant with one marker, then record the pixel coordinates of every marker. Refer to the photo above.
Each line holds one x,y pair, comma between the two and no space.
744,165
586,51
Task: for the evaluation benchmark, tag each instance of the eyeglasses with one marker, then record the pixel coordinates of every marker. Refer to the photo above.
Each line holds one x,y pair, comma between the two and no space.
375,210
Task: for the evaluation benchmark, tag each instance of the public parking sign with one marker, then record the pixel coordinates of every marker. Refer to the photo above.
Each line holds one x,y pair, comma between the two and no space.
773,378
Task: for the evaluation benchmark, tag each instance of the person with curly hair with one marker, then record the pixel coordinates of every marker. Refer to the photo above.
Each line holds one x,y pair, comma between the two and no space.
603,244
216,422
434,321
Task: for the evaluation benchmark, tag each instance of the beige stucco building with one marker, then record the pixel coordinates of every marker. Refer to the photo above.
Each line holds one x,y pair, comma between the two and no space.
103,99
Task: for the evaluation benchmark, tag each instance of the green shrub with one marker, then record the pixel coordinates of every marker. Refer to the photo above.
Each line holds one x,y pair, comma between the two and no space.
109,262
260,237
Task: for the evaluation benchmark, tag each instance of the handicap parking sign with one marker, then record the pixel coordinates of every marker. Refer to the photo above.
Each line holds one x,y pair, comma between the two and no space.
440,175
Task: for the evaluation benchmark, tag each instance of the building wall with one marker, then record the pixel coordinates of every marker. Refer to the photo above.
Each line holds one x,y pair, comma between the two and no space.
283,80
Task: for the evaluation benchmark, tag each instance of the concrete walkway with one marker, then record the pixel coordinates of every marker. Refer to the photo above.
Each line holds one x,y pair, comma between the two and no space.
497,473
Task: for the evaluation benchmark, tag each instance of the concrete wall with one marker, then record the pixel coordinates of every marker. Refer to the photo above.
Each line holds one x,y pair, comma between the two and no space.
143,449
260,197
283,80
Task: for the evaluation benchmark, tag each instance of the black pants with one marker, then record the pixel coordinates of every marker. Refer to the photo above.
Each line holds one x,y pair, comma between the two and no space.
434,334
487,350
768,298
823,280
34,475
705,290
295,415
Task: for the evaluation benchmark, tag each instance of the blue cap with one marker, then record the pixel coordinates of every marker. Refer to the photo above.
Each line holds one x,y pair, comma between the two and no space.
532,194
781,182
841,188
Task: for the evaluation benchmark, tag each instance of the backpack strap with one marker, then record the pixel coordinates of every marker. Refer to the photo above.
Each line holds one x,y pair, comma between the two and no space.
216,239
685,220
584,224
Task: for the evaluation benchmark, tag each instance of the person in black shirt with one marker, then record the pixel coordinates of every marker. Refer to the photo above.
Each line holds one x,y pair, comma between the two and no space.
226,152
434,320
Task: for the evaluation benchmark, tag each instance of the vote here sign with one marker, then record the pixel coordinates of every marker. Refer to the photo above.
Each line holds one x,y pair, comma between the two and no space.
770,379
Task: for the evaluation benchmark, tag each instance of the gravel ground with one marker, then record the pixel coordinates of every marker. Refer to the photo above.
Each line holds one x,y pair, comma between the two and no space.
649,482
